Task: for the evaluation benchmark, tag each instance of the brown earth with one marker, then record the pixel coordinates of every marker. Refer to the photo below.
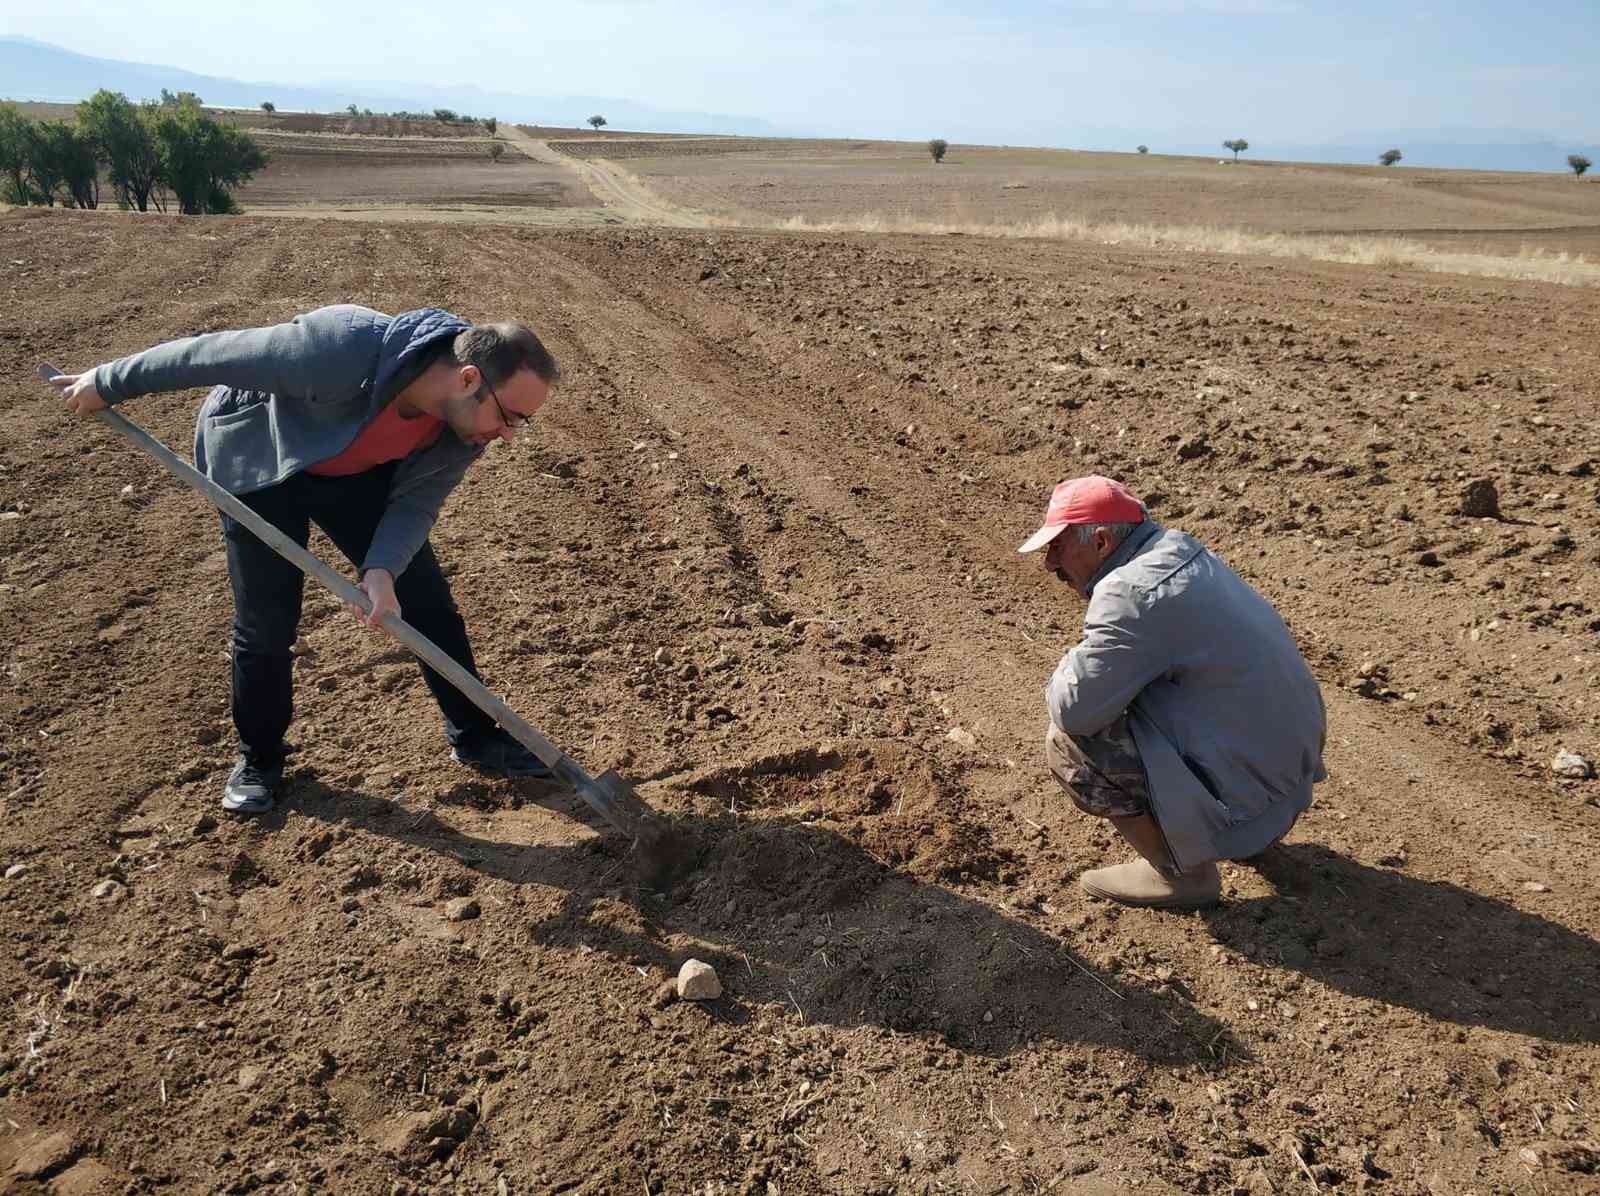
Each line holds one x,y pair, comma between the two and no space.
800,465
822,181
324,170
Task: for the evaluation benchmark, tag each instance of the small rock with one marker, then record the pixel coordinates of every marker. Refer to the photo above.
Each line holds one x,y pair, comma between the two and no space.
1535,886
46,1157
108,890
1529,1157
203,825
249,1076
962,737
484,1057
666,993
698,981
1480,499
820,941
462,909
16,871
1572,766
663,656
350,904
1252,1005
988,1016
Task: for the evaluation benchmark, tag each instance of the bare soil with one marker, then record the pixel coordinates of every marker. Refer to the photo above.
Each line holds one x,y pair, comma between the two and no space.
800,465
327,170
823,181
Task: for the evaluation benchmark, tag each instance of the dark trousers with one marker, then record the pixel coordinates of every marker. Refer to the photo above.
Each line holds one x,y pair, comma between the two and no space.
266,603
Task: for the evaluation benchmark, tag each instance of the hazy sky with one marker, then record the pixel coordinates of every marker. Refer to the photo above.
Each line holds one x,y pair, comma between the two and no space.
1282,70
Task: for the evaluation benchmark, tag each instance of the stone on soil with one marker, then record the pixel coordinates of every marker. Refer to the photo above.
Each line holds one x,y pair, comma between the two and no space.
45,1158
16,871
963,738
698,981
108,890
1480,499
462,909
1572,766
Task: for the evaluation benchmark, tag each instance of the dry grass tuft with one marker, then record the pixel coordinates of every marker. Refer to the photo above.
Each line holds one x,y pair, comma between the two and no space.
1532,265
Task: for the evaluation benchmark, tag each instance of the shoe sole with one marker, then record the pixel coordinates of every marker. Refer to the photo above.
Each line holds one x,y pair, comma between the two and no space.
1151,902
246,805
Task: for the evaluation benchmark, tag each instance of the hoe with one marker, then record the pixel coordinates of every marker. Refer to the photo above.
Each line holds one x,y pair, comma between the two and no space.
608,795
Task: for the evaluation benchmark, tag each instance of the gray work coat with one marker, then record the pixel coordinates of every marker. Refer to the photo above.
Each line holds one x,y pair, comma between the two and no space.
1227,717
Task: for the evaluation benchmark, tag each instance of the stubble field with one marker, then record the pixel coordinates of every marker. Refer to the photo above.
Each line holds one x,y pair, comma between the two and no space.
759,554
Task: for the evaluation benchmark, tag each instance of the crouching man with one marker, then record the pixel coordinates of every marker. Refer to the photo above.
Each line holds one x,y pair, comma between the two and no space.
1186,714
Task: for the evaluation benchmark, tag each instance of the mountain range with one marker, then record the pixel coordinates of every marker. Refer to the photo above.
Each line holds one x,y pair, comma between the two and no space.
33,70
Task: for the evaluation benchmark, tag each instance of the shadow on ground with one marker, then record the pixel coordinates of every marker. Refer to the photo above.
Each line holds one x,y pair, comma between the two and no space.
1426,945
799,914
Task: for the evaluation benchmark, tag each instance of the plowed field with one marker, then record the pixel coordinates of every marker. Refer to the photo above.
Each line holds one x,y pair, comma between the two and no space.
758,554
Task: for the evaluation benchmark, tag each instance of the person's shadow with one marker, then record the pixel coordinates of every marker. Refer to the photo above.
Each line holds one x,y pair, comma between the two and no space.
1427,945
803,916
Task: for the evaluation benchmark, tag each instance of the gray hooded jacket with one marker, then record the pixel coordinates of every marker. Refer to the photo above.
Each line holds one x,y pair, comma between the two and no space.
1227,717
291,395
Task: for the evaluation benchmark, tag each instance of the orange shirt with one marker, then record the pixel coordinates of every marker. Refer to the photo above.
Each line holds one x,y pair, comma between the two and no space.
387,438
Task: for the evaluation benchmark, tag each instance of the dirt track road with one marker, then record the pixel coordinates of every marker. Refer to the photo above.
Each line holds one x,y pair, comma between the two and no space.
800,465
623,196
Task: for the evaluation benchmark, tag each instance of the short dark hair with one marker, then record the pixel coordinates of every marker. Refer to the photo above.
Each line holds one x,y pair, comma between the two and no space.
500,350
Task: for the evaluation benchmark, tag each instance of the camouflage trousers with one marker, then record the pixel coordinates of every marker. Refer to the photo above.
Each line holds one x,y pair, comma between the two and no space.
1103,773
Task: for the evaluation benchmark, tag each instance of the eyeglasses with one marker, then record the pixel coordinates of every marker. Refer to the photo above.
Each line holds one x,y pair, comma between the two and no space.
511,419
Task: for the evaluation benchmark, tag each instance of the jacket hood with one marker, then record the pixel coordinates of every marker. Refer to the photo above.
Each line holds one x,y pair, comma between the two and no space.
409,334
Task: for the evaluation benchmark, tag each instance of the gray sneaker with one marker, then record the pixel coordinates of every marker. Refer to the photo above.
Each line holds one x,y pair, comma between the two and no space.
250,790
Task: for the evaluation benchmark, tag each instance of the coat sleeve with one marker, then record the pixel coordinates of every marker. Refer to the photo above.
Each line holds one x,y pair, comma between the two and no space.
1123,650
417,494
313,356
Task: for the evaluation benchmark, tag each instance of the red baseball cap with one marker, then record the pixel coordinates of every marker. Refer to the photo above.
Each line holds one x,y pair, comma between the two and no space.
1093,499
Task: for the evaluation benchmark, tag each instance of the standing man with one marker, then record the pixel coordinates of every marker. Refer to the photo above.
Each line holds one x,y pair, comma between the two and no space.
361,423
1185,715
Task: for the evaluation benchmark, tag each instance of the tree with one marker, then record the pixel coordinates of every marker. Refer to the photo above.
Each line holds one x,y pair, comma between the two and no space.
1578,163
124,139
497,150
445,116
202,159
491,123
172,100
268,106
15,133
1390,157
63,164
597,121
1238,145
936,149
1144,149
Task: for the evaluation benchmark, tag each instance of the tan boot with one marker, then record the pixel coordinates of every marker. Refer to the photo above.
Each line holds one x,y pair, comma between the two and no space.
1139,882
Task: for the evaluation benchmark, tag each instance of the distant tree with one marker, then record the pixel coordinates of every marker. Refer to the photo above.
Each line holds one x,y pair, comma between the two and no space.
445,116
1144,149
173,99
268,106
1578,163
123,134
1390,157
937,147
62,164
597,121
491,123
1238,145
15,135
497,150
353,109
202,159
